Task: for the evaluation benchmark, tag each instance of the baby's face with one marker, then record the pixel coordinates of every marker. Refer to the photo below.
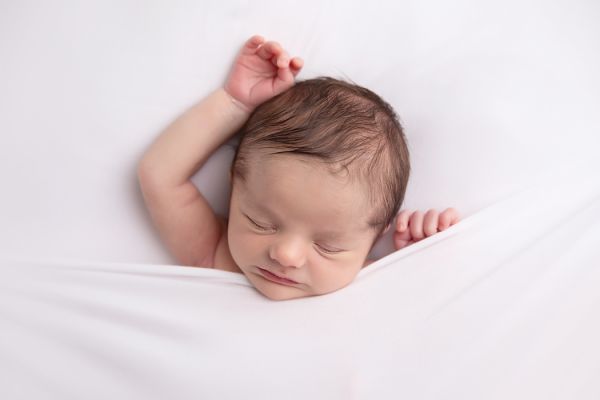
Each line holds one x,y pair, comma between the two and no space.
296,230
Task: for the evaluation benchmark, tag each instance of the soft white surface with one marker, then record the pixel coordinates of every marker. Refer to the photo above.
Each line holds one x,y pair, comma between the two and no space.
500,102
502,306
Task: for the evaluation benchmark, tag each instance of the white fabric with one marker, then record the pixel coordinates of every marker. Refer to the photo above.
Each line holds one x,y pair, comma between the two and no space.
503,305
501,108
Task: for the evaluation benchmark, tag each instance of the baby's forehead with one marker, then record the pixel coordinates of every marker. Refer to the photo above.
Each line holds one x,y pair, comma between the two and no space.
325,228
299,186
272,158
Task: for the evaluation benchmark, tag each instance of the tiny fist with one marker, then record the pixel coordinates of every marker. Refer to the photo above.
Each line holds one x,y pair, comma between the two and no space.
401,227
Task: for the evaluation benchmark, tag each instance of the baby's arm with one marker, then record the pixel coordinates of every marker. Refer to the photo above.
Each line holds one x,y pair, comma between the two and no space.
183,217
414,226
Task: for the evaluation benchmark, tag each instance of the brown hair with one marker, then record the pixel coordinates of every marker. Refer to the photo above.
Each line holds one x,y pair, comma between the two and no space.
338,123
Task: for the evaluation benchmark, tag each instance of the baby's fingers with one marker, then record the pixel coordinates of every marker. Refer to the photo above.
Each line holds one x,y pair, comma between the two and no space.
402,220
430,223
274,52
402,237
412,222
252,44
448,218
416,226
296,65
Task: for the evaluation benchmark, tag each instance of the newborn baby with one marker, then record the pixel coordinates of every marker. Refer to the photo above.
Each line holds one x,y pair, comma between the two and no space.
319,175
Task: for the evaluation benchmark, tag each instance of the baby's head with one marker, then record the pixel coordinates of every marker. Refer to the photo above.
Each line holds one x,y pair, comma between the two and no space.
320,173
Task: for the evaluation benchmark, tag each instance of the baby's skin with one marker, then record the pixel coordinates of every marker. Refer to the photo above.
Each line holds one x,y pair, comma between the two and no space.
294,229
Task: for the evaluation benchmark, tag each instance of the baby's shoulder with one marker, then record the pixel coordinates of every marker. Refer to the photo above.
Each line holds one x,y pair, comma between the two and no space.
223,259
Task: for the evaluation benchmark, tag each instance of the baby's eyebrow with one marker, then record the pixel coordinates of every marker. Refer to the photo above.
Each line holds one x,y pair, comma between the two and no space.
336,236
258,206
331,235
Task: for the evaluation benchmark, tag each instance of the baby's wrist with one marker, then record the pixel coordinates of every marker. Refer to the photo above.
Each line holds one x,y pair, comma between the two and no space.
237,103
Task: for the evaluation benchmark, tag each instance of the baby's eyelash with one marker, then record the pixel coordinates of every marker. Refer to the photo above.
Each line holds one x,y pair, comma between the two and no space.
257,225
327,250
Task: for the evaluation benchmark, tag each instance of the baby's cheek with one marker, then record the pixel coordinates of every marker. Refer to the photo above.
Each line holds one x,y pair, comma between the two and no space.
246,248
330,276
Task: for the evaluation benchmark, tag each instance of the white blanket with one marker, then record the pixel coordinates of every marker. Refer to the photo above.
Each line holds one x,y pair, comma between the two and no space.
500,105
503,305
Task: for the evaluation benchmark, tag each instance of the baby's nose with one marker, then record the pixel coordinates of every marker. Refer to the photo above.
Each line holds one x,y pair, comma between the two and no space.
289,252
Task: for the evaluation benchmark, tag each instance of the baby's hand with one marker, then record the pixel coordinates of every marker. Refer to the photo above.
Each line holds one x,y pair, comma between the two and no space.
414,226
261,71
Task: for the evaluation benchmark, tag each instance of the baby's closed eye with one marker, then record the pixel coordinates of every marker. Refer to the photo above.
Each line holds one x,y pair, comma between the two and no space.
259,225
328,249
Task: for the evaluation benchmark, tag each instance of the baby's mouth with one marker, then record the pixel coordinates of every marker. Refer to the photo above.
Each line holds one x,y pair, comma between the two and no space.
276,278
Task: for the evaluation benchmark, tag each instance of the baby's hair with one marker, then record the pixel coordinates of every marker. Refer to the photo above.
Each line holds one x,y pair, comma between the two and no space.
342,125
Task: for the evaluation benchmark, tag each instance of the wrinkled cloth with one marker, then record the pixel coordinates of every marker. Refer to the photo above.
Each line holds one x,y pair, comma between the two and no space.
504,304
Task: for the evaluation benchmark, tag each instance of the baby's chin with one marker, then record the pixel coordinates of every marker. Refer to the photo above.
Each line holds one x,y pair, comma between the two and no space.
281,295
